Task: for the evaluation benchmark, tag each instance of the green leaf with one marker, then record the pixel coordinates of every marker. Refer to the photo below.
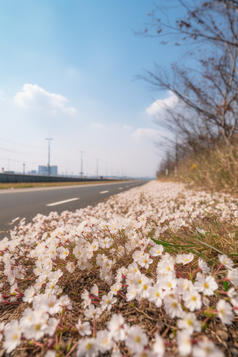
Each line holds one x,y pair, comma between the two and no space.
225,283
166,244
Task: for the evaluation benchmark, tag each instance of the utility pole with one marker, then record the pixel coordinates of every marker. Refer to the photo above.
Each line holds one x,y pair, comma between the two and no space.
24,169
49,154
106,169
97,167
81,173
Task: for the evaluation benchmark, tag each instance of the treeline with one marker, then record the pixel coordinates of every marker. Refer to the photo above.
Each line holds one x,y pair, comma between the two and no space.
204,116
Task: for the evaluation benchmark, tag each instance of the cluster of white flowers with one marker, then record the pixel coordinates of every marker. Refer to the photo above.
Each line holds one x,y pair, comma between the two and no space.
43,254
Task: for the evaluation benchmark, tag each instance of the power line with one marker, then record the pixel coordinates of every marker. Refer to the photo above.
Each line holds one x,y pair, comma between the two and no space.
20,144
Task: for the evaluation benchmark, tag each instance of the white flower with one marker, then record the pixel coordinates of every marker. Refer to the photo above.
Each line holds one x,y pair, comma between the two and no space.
184,343
52,325
231,293
232,275
203,266
117,327
27,317
36,329
86,298
137,255
206,348
115,288
192,300
63,253
158,346
189,323
94,290
29,294
226,261
83,328
64,301
168,282
105,242
145,260
234,302
107,301
184,285
144,291
133,268
184,258
156,250
70,267
131,292
225,312
12,334
136,340
155,294
104,341
101,259
172,307
138,280
206,285
51,305
92,312
87,348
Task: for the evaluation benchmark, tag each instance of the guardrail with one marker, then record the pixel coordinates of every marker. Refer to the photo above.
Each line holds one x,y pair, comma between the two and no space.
17,178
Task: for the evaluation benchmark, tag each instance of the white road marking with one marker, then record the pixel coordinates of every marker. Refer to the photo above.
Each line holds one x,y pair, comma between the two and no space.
104,191
61,202
127,186
120,188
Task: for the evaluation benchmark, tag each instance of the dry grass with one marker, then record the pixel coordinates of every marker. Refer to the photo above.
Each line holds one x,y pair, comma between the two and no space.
215,170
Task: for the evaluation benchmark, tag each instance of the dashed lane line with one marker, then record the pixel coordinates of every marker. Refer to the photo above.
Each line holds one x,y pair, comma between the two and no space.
61,202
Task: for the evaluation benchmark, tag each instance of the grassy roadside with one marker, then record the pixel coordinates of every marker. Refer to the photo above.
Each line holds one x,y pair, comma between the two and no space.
7,186
213,170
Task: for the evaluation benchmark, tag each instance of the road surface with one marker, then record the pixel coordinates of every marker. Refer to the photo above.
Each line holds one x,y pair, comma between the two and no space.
27,203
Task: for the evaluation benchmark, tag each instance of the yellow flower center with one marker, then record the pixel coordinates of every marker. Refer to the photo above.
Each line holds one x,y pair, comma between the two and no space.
89,346
37,327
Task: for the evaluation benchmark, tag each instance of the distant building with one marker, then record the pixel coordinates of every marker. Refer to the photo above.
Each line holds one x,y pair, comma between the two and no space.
33,172
53,170
43,170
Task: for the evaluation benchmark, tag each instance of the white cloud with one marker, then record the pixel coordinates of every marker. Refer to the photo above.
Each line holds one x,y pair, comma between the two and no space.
127,127
160,104
35,97
98,125
141,132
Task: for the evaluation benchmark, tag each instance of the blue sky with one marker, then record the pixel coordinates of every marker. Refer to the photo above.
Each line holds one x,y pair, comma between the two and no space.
67,70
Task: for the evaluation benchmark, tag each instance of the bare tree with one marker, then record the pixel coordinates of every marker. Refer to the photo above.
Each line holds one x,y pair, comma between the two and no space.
207,94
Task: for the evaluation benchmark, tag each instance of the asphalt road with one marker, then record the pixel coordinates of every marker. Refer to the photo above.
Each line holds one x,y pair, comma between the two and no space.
27,203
